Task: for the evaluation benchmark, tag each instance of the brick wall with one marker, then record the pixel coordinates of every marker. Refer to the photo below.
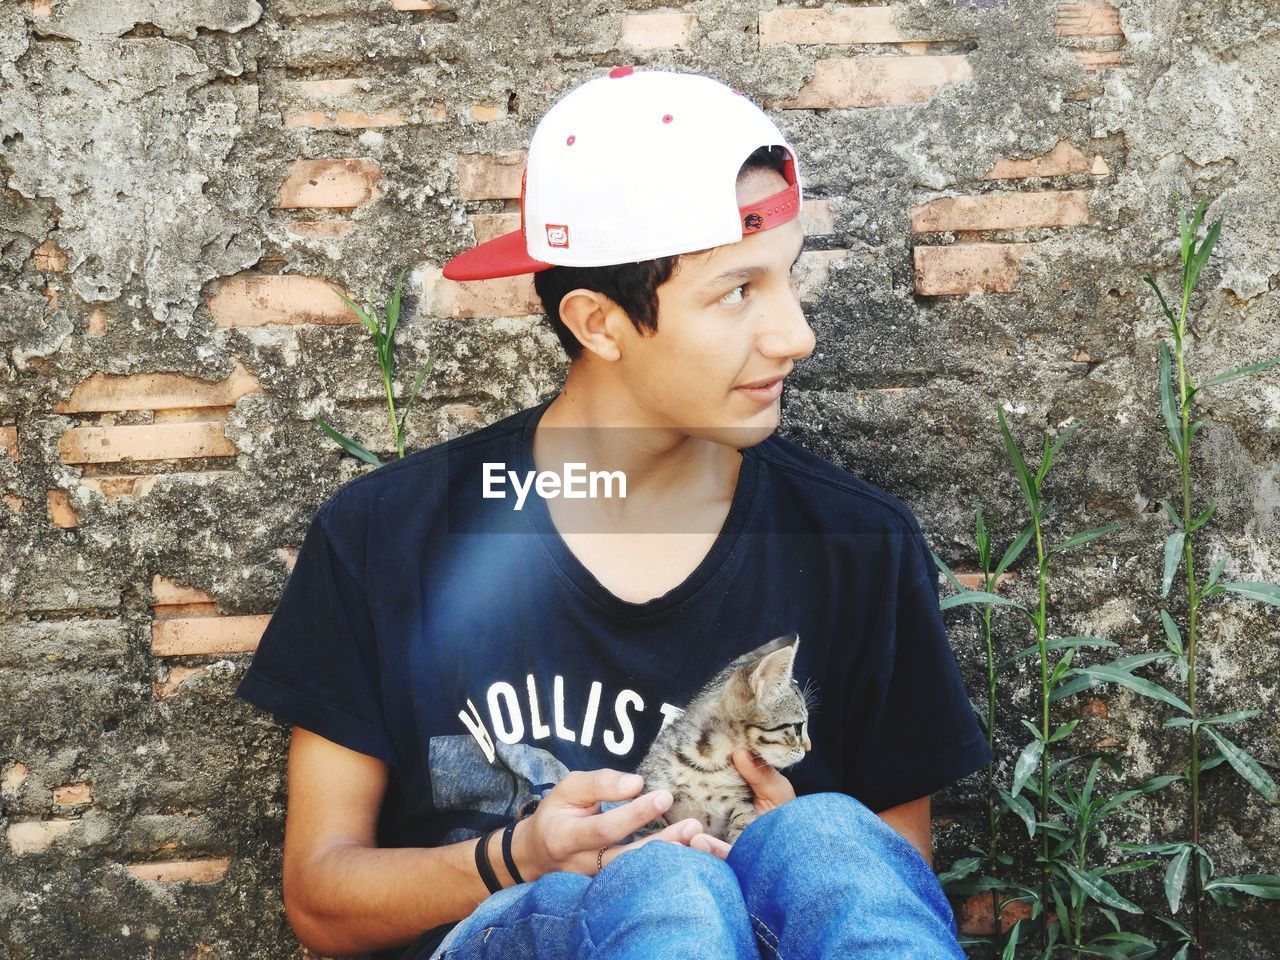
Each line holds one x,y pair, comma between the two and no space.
188,186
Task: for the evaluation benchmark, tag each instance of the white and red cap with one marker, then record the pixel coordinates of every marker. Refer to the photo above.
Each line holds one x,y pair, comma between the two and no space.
633,166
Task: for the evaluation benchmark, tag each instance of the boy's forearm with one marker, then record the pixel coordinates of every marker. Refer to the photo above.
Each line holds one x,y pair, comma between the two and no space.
357,899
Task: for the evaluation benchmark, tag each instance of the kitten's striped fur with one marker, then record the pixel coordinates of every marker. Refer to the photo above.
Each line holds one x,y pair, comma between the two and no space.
753,702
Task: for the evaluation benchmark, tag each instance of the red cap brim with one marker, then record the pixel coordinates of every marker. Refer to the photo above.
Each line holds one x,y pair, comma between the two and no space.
504,256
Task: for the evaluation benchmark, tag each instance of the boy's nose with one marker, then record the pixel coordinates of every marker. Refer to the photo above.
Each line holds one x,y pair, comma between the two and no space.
789,333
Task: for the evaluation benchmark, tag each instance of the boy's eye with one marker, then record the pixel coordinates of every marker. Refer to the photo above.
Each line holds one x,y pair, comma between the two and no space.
729,298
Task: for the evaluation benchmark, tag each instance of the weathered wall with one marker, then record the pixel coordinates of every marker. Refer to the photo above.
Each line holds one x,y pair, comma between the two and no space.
986,185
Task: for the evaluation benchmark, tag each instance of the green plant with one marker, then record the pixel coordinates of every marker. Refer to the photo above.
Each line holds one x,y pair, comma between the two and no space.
383,333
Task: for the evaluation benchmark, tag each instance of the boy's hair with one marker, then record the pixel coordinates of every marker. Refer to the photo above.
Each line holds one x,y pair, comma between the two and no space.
632,286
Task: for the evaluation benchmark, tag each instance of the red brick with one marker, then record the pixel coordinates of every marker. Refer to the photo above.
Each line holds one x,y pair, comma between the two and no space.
173,871
1094,60
72,793
1004,211
974,581
967,268
49,258
656,31
848,25
249,300
503,297
338,184
9,441
343,120
979,916
167,591
15,775
13,501
878,81
96,322
1089,19
319,229
157,391
413,5
489,112
178,675
32,836
1064,159
489,176
190,636
152,441
61,513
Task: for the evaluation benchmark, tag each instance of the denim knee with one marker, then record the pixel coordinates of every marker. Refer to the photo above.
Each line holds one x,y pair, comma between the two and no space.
682,867
823,808
555,893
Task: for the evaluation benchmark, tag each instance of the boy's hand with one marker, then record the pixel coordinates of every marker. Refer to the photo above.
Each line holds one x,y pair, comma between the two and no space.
771,788
567,829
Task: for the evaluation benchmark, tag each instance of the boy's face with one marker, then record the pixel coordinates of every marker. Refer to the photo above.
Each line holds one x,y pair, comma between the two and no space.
727,317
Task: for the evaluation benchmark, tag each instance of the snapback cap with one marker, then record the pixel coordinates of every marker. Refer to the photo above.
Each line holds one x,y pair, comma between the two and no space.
632,166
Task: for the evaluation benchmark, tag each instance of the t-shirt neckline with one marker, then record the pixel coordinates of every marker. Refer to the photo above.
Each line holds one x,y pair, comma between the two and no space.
539,519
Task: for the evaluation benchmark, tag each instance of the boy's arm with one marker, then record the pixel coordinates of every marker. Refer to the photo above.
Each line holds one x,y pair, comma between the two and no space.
911,819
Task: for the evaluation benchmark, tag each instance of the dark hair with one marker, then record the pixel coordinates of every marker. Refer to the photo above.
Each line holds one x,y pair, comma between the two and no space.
632,286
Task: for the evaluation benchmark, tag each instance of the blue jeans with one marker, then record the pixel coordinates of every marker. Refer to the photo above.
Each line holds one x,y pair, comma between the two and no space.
820,876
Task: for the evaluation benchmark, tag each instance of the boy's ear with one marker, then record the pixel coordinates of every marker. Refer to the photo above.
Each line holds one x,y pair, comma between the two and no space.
593,318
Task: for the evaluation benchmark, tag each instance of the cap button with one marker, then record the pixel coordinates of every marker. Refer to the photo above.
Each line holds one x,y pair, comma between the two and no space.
621,72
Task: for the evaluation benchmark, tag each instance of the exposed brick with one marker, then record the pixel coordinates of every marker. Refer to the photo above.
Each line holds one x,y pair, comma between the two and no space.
338,184
152,441
1064,159
850,25
96,322
49,258
190,636
978,917
165,591
249,300
413,5
32,836
178,675
125,485
15,775
813,269
502,297
321,89
173,871
490,176
1088,19
490,225
878,81
61,513
13,501
288,555
319,229
42,8
815,217
9,441
343,120
157,391
967,268
72,793
1094,60
656,31
1096,708
489,112
1004,211
974,581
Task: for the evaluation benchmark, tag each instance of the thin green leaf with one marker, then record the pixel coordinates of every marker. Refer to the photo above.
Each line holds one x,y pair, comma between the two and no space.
1168,508
413,392
1085,537
347,444
947,571
1057,643
1015,549
1246,766
1173,636
1263,885
1060,668
393,308
1063,731
1172,553
1239,372
1175,878
1019,465
1254,590
1164,307
1202,254
1167,407
1226,719
357,310
1051,452
960,869
1011,946
1020,806
1026,765
1109,673
1100,890
1216,571
978,596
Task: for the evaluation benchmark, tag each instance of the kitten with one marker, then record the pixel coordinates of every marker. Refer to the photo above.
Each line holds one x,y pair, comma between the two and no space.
753,702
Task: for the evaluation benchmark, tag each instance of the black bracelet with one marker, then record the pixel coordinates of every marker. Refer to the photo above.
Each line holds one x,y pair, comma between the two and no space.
484,866
506,852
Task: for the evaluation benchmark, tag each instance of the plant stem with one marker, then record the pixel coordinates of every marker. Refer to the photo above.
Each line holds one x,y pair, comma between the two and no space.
1044,724
391,413
992,826
1192,610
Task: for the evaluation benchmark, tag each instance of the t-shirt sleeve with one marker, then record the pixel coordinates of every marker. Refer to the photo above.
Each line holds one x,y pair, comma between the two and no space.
317,663
912,728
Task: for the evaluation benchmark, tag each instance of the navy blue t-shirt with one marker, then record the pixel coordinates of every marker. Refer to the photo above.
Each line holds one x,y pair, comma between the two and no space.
464,644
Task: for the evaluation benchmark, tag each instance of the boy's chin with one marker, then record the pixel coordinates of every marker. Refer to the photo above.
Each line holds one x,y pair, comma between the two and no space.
738,436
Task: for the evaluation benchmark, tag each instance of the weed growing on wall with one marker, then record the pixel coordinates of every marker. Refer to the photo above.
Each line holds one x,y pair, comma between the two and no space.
383,333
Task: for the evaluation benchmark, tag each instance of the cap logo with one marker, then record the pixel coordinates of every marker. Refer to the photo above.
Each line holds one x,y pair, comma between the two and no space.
752,222
557,235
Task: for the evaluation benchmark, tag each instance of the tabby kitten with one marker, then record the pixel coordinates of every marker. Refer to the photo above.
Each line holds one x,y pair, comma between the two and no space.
753,702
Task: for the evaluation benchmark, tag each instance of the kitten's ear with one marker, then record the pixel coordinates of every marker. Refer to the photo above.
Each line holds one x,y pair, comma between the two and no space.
771,674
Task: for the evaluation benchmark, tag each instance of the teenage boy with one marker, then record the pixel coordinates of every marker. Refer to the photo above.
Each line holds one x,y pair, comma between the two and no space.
464,654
